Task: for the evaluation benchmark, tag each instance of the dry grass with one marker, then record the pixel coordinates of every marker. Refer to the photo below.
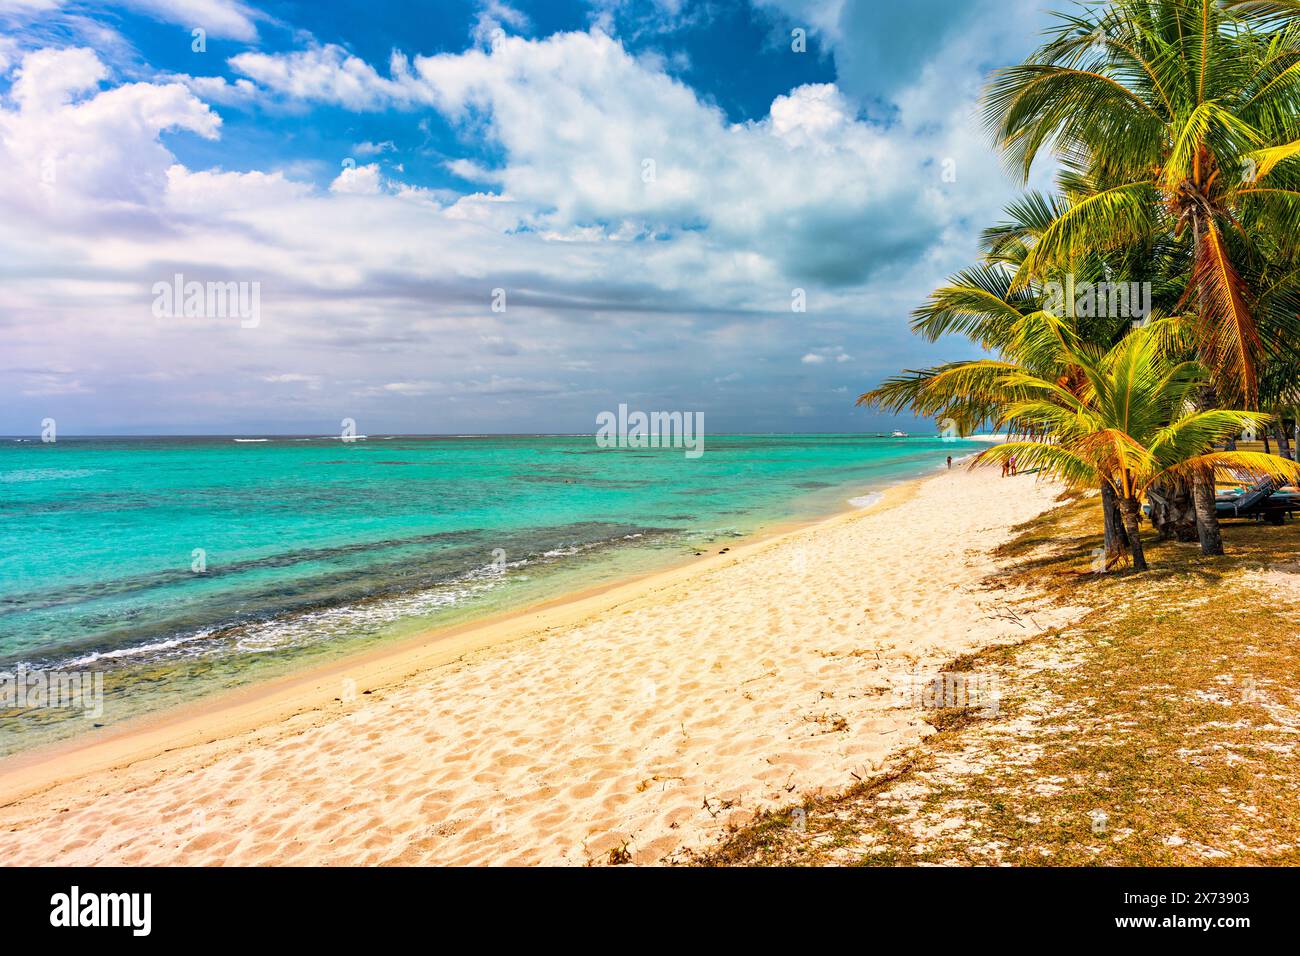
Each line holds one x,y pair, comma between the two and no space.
1161,728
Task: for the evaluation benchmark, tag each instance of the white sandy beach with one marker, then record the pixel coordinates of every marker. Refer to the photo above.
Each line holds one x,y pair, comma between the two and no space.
648,718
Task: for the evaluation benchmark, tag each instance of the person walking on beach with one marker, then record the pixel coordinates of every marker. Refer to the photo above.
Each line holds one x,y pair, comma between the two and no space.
1005,468
950,462
1012,463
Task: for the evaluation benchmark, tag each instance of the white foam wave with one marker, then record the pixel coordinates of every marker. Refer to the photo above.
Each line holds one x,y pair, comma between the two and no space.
866,501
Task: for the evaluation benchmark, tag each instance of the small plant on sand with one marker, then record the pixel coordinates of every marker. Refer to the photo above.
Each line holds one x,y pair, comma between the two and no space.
619,855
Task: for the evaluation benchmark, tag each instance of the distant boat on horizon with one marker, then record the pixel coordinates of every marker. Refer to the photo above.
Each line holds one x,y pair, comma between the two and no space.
897,434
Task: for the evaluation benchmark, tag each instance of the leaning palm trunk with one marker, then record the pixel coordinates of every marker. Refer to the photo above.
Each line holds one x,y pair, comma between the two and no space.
1207,519
1131,509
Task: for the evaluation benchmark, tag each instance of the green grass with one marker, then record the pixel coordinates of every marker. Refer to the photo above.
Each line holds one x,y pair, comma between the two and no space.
1171,705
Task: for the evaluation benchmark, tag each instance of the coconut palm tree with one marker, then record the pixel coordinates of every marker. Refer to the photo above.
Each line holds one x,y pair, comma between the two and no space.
1133,423
1177,119
984,305
979,303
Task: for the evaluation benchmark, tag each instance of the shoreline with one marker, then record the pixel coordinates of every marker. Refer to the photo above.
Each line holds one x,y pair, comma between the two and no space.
738,675
315,685
150,673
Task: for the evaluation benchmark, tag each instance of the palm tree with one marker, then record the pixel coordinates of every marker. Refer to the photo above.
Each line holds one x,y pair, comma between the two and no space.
979,303
1133,423
985,305
1177,119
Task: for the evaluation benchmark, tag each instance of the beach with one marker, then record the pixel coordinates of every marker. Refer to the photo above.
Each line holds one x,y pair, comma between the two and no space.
347,548
633,724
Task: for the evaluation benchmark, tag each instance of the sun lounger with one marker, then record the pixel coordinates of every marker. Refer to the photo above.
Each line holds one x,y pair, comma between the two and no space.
1261,500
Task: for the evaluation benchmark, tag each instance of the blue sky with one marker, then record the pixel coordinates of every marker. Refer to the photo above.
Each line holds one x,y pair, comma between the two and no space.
651,185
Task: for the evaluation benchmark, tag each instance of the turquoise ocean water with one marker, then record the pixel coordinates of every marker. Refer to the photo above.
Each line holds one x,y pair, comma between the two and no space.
177,566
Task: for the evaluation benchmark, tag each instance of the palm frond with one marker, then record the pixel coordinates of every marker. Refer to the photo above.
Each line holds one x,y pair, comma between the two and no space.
1250,466
1107,219
1053,460
1267,159
1229,335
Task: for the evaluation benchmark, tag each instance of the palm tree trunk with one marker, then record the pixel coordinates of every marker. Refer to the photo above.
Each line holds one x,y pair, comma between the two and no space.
1283,443
1172,512
1207,520
1130,508
1115,541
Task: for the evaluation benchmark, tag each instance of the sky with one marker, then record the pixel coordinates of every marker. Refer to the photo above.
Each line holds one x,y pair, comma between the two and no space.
476,216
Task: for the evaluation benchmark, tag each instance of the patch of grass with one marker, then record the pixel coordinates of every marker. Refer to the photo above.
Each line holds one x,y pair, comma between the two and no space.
1160,728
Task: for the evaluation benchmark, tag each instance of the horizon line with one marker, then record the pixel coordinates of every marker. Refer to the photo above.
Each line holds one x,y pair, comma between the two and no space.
36,437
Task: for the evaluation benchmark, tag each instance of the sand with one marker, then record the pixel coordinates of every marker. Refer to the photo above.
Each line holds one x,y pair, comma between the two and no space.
644,719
